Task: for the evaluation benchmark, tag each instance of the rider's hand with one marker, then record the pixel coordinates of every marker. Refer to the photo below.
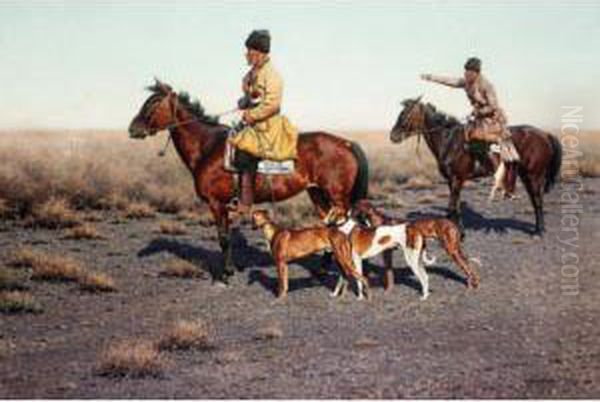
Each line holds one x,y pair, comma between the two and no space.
247,118
426,77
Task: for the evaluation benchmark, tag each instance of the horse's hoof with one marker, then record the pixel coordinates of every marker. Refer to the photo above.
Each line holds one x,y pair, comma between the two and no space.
424,296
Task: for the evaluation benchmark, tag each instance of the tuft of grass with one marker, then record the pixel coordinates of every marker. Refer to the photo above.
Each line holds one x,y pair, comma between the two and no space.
419,183
269,332
23,257
55,213
139,210
15,302
9,280
97,282
84,231
56,268
426,199
185,334
131,358
172,228
180,268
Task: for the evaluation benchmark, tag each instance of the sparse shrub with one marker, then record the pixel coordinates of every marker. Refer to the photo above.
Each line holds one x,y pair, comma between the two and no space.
97,282
180,268
14,302
268,332
139,210
23,257
56,268
172,228
419,183
10,280
56,213
185,334
131,358
84,231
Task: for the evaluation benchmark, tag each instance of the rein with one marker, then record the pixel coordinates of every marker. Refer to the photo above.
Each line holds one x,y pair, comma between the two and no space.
176,123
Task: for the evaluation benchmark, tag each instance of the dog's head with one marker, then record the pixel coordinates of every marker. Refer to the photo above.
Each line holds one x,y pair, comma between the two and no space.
260,218
366,214
336,216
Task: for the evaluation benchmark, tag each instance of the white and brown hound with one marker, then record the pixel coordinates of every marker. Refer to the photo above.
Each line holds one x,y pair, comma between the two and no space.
383,235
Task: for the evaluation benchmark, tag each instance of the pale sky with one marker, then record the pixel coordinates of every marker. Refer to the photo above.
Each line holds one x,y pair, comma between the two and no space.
346,65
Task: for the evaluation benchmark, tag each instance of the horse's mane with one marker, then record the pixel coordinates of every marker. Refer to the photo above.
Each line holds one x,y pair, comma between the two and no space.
441,119
192,106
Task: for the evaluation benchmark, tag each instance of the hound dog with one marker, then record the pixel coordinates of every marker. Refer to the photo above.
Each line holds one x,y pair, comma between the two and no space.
287,245
383,235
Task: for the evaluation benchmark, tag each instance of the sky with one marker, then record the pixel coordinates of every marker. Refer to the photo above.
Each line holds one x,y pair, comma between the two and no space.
346,65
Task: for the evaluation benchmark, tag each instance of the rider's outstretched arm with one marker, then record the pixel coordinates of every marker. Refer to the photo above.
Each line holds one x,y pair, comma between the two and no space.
448,81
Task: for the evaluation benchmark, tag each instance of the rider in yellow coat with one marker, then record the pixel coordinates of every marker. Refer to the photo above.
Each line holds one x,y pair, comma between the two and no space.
268,134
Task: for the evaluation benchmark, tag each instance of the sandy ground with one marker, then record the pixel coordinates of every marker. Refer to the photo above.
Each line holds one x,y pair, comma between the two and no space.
519,335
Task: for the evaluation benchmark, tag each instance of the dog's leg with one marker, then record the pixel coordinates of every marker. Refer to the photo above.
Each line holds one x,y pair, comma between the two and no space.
340,286
412,256
388,270
282,275
358,265
423,273
452,246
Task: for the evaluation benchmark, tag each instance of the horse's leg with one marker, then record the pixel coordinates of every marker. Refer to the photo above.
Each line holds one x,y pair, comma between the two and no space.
534,190
454,212
221,217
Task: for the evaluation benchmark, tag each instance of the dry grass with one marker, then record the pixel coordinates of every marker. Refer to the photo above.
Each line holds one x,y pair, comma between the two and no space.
55,268
24,257
131,358
180,268
55,213
419,183
269,332
15,302
55,173
84,231
96,282
185,334
10,280
139,210
172,228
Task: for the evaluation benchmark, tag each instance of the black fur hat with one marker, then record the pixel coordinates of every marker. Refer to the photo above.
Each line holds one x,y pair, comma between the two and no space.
259,39
473,64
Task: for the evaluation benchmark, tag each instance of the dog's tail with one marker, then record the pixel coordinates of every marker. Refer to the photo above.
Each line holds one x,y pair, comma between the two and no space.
427,259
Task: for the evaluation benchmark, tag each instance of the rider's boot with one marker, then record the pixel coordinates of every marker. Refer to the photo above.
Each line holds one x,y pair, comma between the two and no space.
244,205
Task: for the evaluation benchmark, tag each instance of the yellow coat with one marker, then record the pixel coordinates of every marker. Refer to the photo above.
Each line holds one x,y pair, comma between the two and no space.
272,136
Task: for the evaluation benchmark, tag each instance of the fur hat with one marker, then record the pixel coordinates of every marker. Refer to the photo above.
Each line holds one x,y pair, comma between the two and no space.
259,39
473,64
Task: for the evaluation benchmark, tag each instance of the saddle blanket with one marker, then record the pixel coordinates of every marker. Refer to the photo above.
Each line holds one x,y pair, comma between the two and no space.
268,167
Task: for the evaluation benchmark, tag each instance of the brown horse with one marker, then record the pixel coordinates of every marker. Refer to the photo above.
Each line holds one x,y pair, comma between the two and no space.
539,151
333,171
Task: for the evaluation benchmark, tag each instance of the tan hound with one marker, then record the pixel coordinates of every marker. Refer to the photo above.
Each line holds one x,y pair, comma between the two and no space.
410,236
291,244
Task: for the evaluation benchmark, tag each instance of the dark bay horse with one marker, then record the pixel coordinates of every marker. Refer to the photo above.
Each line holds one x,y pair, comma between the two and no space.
539,151
333,171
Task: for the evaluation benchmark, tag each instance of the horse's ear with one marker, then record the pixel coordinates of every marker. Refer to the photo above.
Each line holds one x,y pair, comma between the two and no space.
418,99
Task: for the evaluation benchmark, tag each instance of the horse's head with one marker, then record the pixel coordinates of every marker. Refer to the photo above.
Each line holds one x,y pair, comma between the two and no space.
410,121
157,112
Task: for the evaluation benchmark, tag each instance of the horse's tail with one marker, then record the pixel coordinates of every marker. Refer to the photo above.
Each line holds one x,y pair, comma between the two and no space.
553,170
360,189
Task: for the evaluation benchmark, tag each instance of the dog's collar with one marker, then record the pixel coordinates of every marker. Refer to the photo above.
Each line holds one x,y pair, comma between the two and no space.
347,226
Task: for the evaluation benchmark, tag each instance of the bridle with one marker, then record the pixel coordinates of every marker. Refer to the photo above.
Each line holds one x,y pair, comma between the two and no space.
174,106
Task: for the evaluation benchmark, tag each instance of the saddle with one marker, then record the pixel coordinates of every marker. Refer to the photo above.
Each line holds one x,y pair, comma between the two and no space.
265,166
